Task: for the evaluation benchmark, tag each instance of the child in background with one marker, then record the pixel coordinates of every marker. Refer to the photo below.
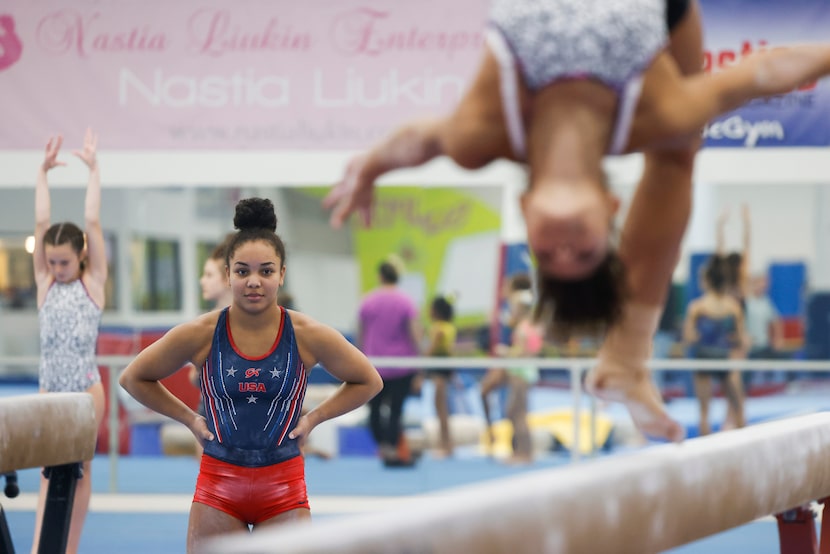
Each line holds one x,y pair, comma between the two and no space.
70,270
714,330
442,333
526,341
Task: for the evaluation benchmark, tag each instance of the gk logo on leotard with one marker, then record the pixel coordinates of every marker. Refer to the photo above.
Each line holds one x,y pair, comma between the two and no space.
252,372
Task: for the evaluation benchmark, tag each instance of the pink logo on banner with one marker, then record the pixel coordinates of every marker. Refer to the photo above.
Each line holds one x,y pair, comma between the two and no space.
10,45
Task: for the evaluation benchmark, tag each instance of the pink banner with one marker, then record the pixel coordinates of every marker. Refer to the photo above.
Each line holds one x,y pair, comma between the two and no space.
250,74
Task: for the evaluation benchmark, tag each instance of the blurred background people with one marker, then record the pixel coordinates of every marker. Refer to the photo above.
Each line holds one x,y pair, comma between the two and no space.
713,330
442,334
388,326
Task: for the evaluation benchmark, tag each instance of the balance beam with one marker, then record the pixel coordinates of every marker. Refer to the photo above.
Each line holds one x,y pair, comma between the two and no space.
41,430
646,502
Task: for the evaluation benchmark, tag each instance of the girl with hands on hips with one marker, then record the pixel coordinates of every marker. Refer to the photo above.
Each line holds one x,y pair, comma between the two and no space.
254,357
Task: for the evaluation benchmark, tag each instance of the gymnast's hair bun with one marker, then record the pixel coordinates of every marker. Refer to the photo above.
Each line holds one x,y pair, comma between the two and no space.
255,213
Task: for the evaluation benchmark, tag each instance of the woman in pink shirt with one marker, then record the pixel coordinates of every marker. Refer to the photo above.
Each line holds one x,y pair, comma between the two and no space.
388,326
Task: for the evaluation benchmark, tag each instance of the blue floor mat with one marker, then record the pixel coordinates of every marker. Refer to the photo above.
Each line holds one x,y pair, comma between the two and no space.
110,533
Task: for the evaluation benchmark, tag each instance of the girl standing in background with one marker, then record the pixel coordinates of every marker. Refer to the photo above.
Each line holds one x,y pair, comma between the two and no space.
70,275
442,334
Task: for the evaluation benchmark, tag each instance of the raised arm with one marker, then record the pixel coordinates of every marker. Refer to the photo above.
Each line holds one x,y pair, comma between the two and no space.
96,250
720,232
747,228
43,208
744,270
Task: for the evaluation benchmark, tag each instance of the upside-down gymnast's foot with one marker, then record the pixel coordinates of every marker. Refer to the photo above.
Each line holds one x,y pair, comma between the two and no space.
633,387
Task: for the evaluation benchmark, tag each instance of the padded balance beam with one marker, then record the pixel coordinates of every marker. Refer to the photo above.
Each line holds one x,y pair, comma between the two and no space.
42,430
647,501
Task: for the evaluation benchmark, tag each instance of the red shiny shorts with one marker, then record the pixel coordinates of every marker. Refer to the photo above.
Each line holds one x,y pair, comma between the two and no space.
252,494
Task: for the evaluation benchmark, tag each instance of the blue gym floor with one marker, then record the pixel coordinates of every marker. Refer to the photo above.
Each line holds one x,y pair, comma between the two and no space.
161,528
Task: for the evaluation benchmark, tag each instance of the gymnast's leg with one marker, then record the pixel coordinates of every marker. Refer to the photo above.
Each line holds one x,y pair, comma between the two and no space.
442,411
291,516
517,407
399,389
733,389
703,391
83,488
83,491
377,422
650,247
206,522
493,378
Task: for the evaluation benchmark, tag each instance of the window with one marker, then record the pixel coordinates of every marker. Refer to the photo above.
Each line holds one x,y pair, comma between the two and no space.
156,275
17,280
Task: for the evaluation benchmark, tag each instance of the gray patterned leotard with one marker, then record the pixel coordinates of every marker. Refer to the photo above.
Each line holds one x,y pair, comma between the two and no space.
69,322
545,41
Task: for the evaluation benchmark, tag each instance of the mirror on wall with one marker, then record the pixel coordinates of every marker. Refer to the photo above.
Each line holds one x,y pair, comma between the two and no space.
158,238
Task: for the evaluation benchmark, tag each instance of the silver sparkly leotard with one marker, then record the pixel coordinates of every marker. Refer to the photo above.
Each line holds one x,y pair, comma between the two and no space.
612,41
69,322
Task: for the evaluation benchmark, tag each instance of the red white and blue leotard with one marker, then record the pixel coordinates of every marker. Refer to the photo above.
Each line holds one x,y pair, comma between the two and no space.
252,404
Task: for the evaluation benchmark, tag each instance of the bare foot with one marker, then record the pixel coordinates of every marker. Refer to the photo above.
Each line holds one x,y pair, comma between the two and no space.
635,390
